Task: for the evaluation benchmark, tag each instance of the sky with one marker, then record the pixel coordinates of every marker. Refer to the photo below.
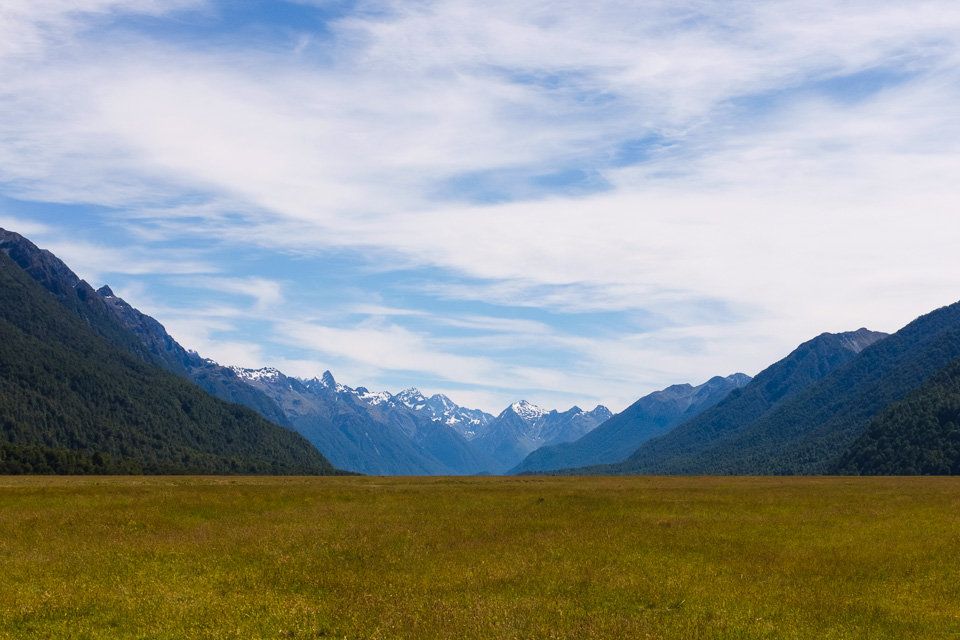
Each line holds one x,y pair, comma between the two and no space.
566,202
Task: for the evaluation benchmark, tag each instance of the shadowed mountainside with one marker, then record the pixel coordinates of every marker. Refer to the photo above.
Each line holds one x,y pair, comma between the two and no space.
72,401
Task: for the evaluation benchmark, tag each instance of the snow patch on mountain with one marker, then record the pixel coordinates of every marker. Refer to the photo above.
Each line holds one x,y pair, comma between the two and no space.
265,373
374,398
528,411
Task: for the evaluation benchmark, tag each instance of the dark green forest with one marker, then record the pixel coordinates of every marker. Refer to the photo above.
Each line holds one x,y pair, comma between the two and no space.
70,402
918,436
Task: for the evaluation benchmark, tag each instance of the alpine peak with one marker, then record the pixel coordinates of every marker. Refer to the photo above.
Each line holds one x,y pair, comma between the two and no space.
328,380
527,410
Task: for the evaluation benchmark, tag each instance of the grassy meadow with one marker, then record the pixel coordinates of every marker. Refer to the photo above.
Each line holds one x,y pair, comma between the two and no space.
524,557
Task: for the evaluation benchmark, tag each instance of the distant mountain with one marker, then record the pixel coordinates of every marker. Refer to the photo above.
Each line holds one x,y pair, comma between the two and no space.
621,435
410,433
692,446
373,433
920,435
79,394
339,424
524,427
467,422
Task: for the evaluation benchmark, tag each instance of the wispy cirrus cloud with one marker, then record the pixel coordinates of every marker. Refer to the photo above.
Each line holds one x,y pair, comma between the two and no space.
22,225
266,294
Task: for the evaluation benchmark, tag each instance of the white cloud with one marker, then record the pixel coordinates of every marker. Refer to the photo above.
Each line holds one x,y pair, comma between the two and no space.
386,346
237,353
22,226
267,294
28,27
801,212
96,262
495,325
382,311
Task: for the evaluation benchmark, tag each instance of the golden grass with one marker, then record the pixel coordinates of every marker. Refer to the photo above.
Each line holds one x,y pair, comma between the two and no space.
687,558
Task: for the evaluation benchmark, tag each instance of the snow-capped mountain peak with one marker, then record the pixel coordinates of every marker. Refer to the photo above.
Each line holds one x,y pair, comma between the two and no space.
527,410
440,408
373,397
412,398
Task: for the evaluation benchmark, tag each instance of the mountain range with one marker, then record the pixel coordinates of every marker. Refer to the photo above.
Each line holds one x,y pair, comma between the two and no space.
645,419
355,429
373,433
523,428
815,411
410,433
690,446
89,384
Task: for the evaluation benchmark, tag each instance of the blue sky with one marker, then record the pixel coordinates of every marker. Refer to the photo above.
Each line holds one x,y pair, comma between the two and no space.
568,202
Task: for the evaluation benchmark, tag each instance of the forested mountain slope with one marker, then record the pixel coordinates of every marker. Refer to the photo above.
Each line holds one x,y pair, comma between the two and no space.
129,329
920,435
808,432
73,402
621,435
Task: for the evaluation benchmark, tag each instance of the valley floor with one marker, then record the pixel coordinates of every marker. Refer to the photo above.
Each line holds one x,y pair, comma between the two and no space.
479,557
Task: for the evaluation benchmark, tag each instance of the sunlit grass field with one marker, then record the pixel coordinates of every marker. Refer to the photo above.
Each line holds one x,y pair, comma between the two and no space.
479,558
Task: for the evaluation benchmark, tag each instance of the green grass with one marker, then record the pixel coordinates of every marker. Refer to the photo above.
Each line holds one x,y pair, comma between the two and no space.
803,558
